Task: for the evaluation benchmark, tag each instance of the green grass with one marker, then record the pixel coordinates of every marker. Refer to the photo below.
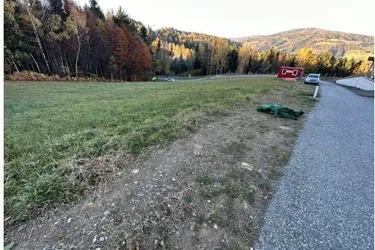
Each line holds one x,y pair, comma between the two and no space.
237,246
206,179
49,125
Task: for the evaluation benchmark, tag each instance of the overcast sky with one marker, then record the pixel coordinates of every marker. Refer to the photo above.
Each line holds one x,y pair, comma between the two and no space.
236,18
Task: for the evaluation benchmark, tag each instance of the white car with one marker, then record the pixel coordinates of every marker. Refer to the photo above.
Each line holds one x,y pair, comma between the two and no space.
313,79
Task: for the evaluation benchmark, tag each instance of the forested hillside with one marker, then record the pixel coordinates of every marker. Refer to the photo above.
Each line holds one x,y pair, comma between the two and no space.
188,52
62,39
338,43
184,52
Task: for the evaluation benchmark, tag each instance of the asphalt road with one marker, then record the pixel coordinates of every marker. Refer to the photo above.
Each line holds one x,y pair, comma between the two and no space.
326,198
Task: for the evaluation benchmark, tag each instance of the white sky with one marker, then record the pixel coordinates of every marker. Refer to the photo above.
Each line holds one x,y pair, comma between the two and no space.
236,18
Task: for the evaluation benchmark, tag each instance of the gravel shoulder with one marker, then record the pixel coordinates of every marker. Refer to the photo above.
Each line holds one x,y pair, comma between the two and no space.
325,199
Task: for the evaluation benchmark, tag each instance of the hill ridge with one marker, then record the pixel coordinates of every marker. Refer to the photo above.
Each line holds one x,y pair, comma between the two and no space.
336,42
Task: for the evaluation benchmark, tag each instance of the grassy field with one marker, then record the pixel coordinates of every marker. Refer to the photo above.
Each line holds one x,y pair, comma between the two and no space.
51,127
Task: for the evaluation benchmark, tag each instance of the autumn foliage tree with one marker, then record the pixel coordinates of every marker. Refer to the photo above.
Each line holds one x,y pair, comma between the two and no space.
120,50
60,37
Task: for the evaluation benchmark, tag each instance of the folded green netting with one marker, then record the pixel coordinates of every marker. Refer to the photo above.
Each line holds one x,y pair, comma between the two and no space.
281,111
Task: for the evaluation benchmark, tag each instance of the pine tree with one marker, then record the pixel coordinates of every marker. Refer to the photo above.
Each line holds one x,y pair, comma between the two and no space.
96,10
56,7
144,34
123,19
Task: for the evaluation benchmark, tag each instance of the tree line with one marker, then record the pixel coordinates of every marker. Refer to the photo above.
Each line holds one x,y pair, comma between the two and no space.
204,55
325,63
59,37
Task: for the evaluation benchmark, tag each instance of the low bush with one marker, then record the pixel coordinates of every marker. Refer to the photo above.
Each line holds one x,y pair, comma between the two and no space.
34,76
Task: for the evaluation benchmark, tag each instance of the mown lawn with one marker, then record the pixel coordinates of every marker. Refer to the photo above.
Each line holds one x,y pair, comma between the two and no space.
49,125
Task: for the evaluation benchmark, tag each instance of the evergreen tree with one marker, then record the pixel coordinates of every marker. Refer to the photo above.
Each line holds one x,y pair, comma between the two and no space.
96,10
233,60
123,19
56,7
144,34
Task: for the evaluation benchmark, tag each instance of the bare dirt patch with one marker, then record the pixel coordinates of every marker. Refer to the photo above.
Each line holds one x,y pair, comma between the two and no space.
206,191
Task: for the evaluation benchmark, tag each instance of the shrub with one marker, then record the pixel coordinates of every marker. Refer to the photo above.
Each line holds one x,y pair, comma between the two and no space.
33,76
28,76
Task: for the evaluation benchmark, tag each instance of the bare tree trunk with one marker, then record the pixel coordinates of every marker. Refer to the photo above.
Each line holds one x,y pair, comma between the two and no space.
36,63
15,66
79,49
61,59
37,36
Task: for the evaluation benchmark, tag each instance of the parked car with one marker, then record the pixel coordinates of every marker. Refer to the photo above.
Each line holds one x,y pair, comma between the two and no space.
313,79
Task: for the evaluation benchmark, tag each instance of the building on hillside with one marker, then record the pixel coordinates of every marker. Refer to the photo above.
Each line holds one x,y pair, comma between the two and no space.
289,73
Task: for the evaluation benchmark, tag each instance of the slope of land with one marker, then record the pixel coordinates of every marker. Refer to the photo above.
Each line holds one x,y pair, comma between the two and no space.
176,36
335,42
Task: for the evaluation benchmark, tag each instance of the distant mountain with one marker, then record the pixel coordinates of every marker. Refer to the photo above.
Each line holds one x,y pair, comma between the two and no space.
339,43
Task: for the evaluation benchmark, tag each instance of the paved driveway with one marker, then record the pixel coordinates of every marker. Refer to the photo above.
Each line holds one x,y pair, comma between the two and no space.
325,199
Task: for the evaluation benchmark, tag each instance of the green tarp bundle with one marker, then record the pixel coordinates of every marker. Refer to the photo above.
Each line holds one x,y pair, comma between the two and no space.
281,111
